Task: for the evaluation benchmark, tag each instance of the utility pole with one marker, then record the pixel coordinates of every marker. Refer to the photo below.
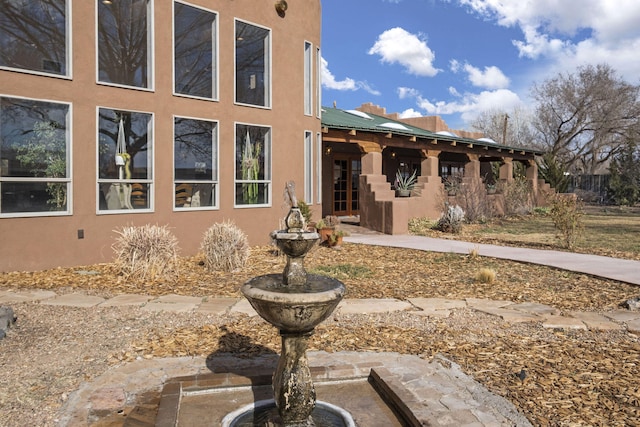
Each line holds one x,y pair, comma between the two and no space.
504,130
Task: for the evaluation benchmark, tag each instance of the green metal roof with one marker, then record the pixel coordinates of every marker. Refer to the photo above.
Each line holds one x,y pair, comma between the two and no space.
335,118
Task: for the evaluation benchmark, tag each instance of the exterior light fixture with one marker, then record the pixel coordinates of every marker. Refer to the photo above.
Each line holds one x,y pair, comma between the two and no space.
327,151
107,2
281,7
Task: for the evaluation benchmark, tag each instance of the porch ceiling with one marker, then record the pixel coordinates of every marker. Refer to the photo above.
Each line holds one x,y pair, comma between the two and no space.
353,126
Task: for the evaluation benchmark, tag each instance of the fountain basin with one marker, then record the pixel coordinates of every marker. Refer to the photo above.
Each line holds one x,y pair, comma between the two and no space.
295,244
294,309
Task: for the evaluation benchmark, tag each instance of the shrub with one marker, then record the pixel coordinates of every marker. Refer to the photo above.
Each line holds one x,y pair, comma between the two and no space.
473,198
486,275
474,253
566,214
518,196
225,247
451,221
145,252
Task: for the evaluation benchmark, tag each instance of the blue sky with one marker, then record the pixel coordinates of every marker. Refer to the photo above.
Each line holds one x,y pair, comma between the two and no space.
458,58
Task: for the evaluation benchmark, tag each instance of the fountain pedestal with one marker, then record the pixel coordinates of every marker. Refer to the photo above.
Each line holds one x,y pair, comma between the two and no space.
293,389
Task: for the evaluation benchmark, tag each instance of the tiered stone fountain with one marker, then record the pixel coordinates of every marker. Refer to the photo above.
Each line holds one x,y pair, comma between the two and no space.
295,302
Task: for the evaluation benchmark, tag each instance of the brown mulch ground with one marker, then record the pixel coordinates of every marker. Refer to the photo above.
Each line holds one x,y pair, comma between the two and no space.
570,377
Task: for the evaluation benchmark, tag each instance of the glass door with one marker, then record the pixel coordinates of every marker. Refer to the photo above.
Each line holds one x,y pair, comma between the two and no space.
346,175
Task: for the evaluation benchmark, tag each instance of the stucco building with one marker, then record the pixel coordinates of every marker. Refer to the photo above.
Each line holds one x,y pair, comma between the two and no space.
129,112
365,148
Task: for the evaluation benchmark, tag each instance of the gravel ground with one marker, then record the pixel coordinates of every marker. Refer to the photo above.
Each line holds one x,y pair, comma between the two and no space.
554,377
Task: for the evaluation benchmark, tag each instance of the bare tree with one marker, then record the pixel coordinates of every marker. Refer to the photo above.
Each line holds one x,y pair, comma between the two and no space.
583,119
511,128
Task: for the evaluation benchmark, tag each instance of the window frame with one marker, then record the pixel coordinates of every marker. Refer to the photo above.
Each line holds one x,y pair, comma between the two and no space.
215,46
68,51
149,181
69,166
319,153
308,78
318,82
150,87
268,58
268,164
215,179
308,166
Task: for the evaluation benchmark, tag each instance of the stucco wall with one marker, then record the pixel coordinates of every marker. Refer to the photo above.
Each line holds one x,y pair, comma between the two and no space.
43,242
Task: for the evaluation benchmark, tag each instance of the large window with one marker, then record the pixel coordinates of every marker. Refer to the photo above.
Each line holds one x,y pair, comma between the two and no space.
253,165
34,157
253,52
34,36
124,43
308,78
318,83
308,167
125,160
194,41
195,160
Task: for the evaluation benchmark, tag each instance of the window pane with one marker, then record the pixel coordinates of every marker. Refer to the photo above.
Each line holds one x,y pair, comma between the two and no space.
195,162
33,35
34,155
252,65
124,159
308,167
194,51
124,46
308,79
253,164
33,196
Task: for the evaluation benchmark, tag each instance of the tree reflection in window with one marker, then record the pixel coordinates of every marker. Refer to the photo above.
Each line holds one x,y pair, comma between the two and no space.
194,51
195,163
124,184
252,65
34,156
124,46
33,35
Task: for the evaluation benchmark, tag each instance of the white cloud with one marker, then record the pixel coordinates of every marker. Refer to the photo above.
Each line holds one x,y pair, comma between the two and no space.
491,78
347,84
409,113
570,33
409,50
468,105
407,92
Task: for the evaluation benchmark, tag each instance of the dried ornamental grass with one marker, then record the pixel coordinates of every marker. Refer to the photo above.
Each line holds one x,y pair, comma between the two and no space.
486,275
146,252
225,247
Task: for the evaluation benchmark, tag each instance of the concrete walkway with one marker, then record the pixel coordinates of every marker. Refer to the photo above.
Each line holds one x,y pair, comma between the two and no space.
622,270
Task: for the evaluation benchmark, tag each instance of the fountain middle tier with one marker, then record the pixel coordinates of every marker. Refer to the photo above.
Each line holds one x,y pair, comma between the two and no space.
294,308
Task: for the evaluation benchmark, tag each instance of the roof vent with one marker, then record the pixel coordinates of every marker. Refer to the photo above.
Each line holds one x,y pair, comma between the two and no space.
392,125
489,140
359,114
447,133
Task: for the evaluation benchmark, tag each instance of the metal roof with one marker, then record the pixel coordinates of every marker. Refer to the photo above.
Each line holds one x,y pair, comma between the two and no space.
335,118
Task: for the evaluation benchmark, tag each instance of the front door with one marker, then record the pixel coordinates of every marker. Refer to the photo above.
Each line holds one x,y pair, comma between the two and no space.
346,174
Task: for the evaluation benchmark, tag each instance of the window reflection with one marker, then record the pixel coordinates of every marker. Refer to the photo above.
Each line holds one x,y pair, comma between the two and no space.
194,44
252,65
33,35
124,46
34,156
124,160
195,163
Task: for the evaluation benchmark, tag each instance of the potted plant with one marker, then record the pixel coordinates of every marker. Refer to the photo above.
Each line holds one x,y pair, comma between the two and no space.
405,183
305,210
335,238
326,226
